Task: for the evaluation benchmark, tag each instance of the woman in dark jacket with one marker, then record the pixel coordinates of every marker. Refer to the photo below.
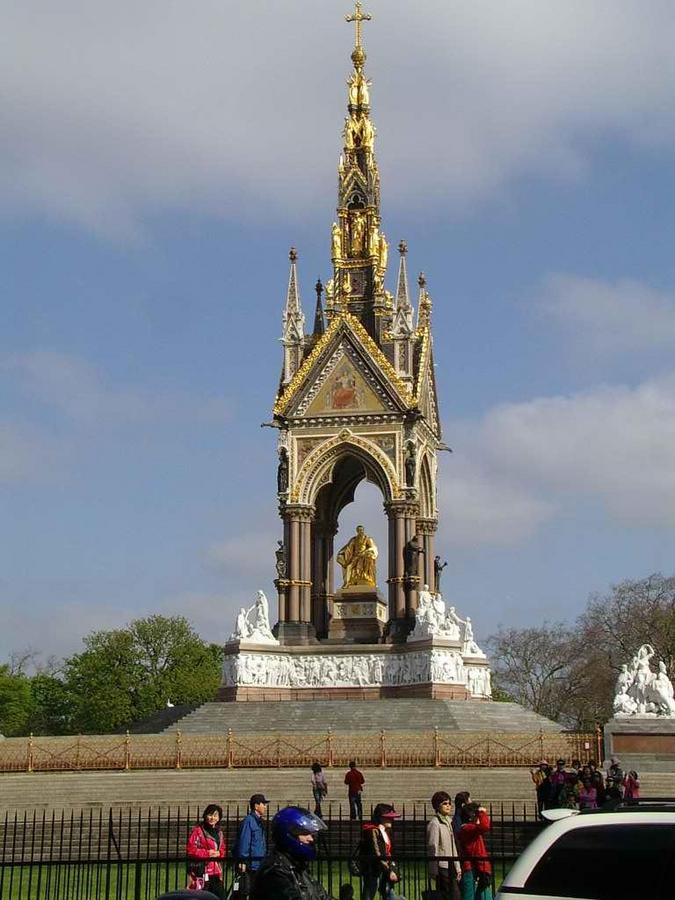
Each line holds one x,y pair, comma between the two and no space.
378,869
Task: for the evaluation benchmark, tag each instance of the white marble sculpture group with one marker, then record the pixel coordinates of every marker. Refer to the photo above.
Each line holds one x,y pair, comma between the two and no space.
432,619
641,692
253,624
464,664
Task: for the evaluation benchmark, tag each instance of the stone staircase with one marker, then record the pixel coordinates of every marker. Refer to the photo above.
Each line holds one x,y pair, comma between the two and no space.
163,788
287,716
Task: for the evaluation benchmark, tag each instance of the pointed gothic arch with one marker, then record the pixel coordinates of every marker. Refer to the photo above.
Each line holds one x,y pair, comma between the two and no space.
427,493
317,470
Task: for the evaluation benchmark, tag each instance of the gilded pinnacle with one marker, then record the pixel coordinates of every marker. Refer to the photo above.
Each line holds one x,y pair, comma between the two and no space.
402,248
357,17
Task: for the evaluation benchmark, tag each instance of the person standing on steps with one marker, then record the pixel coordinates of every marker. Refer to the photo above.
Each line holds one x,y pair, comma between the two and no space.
319,788
354,781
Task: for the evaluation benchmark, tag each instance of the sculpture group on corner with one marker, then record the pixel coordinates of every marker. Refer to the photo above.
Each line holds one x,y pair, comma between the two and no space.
253,624
641,692
433,620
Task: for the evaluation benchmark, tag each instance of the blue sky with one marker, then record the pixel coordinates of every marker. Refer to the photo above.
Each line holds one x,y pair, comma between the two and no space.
157,160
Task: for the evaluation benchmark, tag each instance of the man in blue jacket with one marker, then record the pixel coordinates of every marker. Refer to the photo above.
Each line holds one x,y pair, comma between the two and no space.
251,846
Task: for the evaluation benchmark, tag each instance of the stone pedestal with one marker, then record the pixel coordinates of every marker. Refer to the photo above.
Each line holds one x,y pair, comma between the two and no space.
359,616
642,742
295,633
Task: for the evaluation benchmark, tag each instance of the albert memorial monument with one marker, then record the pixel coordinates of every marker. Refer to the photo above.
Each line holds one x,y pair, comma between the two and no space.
356,400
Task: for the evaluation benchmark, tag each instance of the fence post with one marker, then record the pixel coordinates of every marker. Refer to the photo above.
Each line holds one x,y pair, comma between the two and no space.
329,742
278,752
138,872
541,743
437,749
228,745
383,750
29,754
179,753
127,752
598,744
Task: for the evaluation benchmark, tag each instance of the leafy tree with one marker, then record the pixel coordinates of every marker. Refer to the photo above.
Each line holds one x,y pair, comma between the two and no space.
15,702
127,674
51,708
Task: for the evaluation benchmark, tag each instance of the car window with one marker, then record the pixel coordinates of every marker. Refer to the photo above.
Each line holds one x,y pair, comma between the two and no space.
607,862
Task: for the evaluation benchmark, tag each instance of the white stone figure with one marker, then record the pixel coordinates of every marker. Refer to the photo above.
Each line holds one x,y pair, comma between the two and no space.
169,704
241,629
639,692
662,692
253,625
452,623
470,647
624,681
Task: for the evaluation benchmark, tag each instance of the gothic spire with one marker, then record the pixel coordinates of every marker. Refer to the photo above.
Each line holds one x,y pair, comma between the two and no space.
319,326
403,311
293,323
359,250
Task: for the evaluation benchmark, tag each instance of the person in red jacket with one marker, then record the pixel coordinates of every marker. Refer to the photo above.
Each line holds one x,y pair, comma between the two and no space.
354,781
476,883
205,847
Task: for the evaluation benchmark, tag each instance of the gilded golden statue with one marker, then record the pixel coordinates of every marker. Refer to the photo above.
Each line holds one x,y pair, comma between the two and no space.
357,559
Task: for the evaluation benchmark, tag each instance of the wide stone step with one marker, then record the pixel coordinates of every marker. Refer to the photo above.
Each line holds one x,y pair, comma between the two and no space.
365,715
87,790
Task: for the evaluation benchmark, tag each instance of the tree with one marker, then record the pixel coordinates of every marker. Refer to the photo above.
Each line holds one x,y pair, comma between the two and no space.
15,702
127,674
538,667
569,673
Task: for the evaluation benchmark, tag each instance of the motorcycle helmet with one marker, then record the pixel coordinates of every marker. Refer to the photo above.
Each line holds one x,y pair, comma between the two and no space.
289,824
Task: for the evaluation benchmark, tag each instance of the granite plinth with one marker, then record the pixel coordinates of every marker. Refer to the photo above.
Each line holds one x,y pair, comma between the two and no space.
358,616
638,736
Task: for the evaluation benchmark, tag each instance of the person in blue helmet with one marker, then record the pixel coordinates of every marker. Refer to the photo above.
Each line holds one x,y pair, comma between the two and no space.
284,874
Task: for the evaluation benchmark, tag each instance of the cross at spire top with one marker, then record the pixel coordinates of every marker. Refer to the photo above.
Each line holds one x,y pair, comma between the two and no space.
357,17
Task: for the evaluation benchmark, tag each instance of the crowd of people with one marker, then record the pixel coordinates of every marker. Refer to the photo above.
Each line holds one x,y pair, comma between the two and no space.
459,865
580,786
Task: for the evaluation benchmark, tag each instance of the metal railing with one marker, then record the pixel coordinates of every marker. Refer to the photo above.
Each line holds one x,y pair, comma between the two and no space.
137,855
397,749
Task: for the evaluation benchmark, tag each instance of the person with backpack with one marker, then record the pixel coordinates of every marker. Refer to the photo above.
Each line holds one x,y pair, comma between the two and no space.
378,870
205,847
476,883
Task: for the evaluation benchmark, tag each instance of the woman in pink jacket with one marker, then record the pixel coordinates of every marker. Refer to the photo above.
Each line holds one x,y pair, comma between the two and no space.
205,847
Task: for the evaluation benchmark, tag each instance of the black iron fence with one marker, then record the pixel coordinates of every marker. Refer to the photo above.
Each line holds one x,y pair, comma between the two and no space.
139,854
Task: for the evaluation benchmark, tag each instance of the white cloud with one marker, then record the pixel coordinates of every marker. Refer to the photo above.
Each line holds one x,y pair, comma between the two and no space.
113,112
82,393
611,317
481,507
612,445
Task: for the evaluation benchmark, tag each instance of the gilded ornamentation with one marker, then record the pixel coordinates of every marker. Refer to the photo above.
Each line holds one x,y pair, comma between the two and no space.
342,319
357,559
336,242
